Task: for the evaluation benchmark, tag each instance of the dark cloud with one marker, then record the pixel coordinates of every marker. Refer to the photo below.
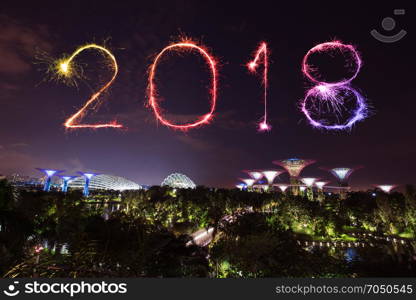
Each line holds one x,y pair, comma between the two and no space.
19,145
198,144
18,45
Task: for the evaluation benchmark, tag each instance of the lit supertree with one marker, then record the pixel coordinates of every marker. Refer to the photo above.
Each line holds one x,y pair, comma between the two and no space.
49,174
256,175
302,189
240,186
271,175
249,182
65,182
387,188
342,174
87,177
283,187
320,185
309,181
264,187
294,167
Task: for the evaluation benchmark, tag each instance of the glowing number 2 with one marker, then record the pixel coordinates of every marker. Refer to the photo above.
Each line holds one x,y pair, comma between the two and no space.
65,70
152,93
252,65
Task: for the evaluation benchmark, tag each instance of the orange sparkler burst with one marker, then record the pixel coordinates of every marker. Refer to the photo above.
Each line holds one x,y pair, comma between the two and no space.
66,68
152,92
252,66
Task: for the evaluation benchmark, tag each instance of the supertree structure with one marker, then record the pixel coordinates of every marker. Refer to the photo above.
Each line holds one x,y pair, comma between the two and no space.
270,175
49,174
387,188
283,187
294,167
320,185
309,181
240,186
249,182
256,175
342,174
65,182
87,177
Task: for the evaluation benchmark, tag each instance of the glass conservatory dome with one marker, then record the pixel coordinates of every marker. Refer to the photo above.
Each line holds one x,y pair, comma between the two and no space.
177,180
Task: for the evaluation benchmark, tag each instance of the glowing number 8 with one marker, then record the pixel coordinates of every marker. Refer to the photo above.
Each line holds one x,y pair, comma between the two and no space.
67,69
332,94
152,93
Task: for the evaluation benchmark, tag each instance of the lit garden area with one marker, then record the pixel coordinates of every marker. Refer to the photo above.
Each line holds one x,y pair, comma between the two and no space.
151,233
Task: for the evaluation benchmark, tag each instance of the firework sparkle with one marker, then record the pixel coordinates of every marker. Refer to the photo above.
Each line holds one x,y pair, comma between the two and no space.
331,97
262,51
307,68
152,91
67,70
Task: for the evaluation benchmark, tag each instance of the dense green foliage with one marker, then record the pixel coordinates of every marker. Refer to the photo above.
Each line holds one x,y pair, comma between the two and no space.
147,234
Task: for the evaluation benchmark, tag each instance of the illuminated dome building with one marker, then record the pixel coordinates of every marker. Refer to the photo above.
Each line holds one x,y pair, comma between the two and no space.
180,181
105,182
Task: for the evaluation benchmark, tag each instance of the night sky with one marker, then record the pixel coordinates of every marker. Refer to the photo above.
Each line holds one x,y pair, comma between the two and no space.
33,108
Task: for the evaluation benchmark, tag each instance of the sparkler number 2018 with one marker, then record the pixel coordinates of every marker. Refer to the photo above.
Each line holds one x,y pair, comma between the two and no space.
323,99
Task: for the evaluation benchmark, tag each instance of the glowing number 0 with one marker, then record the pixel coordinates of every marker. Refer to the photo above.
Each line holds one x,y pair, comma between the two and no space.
332,93
252,65
65,68
152,93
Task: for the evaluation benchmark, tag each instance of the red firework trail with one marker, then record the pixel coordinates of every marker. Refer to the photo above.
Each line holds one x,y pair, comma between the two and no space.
252,66
152,92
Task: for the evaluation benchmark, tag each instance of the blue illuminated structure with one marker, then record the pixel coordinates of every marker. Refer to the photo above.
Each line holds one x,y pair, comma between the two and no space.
65,182
241,186
87,177
49,174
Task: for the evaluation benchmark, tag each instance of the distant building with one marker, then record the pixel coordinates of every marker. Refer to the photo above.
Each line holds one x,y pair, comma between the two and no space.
105,182
19,180
180,181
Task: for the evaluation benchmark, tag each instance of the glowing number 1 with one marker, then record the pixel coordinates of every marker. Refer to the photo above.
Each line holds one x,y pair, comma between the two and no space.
252,66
